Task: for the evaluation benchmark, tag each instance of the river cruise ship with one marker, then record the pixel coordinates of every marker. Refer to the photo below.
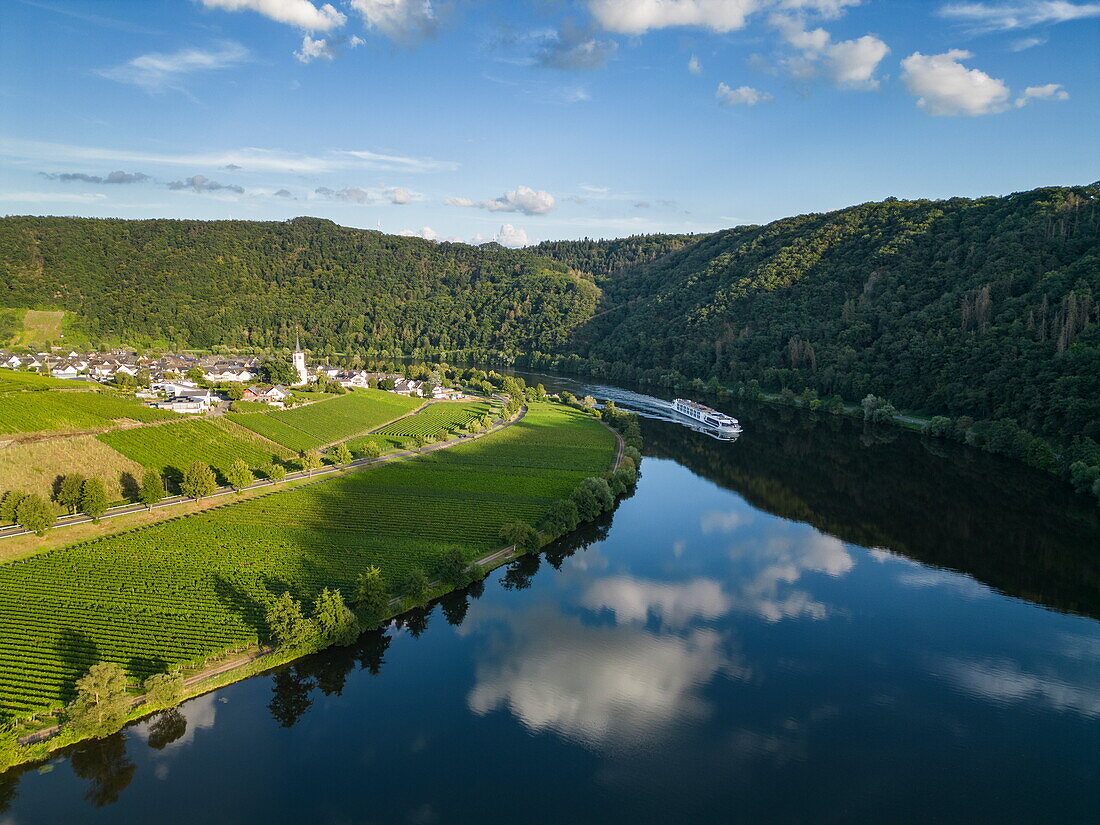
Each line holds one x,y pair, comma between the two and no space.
712,419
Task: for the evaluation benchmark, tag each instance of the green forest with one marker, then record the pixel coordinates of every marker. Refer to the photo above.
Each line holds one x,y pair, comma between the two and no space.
249,285
985,310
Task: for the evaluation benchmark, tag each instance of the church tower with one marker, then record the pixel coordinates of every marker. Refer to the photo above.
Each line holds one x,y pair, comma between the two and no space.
298,359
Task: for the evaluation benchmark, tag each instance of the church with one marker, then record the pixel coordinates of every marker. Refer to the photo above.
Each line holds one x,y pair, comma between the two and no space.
298,359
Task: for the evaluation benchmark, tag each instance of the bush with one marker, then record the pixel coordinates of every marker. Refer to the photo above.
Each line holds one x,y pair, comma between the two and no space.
415,587
602,492
451,567
939,426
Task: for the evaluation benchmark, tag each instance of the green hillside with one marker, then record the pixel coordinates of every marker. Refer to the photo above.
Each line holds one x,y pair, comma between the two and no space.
250,284
985,308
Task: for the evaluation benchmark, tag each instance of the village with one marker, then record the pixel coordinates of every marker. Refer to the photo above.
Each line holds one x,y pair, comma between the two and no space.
194,384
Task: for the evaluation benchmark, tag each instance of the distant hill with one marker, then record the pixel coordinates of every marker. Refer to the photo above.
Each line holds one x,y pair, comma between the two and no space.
250,284
988,308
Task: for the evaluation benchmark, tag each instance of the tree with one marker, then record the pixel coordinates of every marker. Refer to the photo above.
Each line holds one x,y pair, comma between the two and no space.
335,623
239,475
278,371
152,488
163,689
199,481
102,701
309,460
9,504
369,449
275,472
341,454
588,506
35,514
9,749
234,392
93,498
415,587
521,534
370,594
451,567
68,495
286,623
588,402
601,490
196,375
421,441
562,517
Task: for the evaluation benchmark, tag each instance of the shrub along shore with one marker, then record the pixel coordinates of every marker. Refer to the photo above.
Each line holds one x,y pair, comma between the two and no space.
150,618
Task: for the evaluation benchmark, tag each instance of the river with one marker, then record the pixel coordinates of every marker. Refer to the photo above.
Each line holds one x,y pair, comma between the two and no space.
817,622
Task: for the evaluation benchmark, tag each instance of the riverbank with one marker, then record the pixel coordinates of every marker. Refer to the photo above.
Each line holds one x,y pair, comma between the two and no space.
505,460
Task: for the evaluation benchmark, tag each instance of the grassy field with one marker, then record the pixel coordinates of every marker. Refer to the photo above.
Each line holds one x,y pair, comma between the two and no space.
34,466
29,412
171,447
177,592
326,422
40,326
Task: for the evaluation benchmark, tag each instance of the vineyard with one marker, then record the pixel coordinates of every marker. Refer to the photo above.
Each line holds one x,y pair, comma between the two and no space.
430,421
12,381
175,593
171,447
22,412
329,421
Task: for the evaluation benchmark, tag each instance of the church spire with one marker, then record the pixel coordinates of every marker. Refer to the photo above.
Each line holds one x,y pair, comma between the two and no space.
297,342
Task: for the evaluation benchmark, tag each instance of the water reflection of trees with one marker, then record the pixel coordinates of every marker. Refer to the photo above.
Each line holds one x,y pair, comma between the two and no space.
1011,527
106,766
293,684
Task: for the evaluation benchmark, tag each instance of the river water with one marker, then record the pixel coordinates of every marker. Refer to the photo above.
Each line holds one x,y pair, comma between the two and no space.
817,622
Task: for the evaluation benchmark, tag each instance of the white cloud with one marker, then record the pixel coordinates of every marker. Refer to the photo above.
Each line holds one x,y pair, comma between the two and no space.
301,13
720,521
635,600
1051,91
250,158
399,19
399,195
1019,15
1004,681
944,86
850,64
315,49
156,72
512,236
741,95
639,16
694,66
521,199
602,686
355,194
1025,43
574,48
764,585
425,232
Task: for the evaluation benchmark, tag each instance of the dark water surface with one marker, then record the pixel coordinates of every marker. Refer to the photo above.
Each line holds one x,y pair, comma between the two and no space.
815,623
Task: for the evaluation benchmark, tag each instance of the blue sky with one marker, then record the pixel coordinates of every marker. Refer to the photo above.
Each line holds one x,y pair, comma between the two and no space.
525,121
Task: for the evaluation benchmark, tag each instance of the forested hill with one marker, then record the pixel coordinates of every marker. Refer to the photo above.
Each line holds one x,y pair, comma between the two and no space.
607,259
250,285
985,308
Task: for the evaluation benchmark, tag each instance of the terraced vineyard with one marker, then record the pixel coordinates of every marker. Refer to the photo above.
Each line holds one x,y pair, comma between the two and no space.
171,447
175,593
23,412
325,422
